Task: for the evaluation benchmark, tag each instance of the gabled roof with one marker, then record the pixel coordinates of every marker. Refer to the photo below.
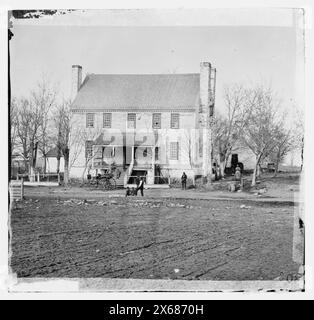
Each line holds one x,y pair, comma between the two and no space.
138,92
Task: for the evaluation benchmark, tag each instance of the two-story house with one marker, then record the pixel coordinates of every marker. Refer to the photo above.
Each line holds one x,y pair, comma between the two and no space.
152,125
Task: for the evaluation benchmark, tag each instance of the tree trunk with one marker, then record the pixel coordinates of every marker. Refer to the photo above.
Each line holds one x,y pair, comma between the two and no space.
256,169
277,165
45,164
66,166
254,176
31,163
302,149
222,165
58,164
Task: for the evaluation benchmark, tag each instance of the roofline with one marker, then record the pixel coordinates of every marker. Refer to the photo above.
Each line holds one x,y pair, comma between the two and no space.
135,110
142,74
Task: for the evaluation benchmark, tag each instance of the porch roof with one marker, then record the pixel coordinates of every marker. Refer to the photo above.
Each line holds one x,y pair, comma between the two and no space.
126,139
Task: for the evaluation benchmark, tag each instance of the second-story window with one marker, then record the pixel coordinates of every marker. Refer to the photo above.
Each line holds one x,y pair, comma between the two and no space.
156,120
107,120
90,119
132,120
174,123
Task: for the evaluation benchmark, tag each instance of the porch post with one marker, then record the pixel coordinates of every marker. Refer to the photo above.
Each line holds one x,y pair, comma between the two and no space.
132,159
153,163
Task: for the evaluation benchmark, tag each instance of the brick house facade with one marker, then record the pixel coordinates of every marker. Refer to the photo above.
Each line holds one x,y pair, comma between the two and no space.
153,124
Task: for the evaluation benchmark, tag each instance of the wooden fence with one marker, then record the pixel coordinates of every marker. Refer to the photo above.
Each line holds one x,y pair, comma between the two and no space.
16,190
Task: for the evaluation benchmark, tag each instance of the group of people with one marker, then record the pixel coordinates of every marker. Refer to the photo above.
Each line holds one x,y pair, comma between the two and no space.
139,187
140,183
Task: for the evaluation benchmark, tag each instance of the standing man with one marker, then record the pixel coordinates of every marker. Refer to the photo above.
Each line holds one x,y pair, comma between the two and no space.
137,181
183,181
237,174
141,186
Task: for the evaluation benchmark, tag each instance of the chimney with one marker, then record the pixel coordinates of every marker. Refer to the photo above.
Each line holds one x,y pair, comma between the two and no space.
205,72
205,109
76,80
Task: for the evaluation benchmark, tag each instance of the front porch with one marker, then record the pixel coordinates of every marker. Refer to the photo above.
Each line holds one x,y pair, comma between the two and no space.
128,163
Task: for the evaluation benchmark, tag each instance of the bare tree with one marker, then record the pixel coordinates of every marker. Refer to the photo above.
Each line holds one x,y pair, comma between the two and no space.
285,143
41,102
14,125
79,136
32,123
23,124
299,131
62,121
227,128
262,124
45,98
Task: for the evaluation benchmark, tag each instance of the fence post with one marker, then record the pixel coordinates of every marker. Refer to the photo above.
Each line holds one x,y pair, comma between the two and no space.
22,188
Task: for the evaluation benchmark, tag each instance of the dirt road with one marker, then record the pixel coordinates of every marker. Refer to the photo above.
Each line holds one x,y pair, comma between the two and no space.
152,238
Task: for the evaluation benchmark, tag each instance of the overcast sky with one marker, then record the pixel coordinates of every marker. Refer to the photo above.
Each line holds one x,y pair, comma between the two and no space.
246,54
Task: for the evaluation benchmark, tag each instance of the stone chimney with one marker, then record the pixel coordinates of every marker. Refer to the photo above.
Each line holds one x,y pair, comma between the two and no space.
204,117
205,73
76,80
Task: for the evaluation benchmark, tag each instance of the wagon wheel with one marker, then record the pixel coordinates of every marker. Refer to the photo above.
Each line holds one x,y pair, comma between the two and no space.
92,182
111,184
108,184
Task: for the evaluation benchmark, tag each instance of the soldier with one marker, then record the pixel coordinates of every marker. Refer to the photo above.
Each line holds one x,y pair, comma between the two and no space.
137,181
237,174
127,192
183,181
118,173
141,186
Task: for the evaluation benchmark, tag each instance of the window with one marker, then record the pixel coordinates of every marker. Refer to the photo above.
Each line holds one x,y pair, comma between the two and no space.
174,121
200,147
174,150
90,120
156,153
88,149
156,120
132,120
107,120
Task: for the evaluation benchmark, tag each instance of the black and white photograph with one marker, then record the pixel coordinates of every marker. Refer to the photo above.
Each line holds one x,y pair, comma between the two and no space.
157,150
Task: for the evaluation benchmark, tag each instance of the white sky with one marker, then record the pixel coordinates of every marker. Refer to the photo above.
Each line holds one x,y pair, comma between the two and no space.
249,54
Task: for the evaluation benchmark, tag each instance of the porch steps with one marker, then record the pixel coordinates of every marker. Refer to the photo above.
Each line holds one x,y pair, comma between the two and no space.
150,186
120,181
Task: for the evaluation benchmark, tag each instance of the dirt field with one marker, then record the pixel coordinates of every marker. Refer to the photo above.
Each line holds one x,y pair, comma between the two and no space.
152,238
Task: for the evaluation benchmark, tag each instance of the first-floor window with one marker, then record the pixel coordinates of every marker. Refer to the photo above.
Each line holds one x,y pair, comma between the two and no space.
88,149
174,150
90,120
156,153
